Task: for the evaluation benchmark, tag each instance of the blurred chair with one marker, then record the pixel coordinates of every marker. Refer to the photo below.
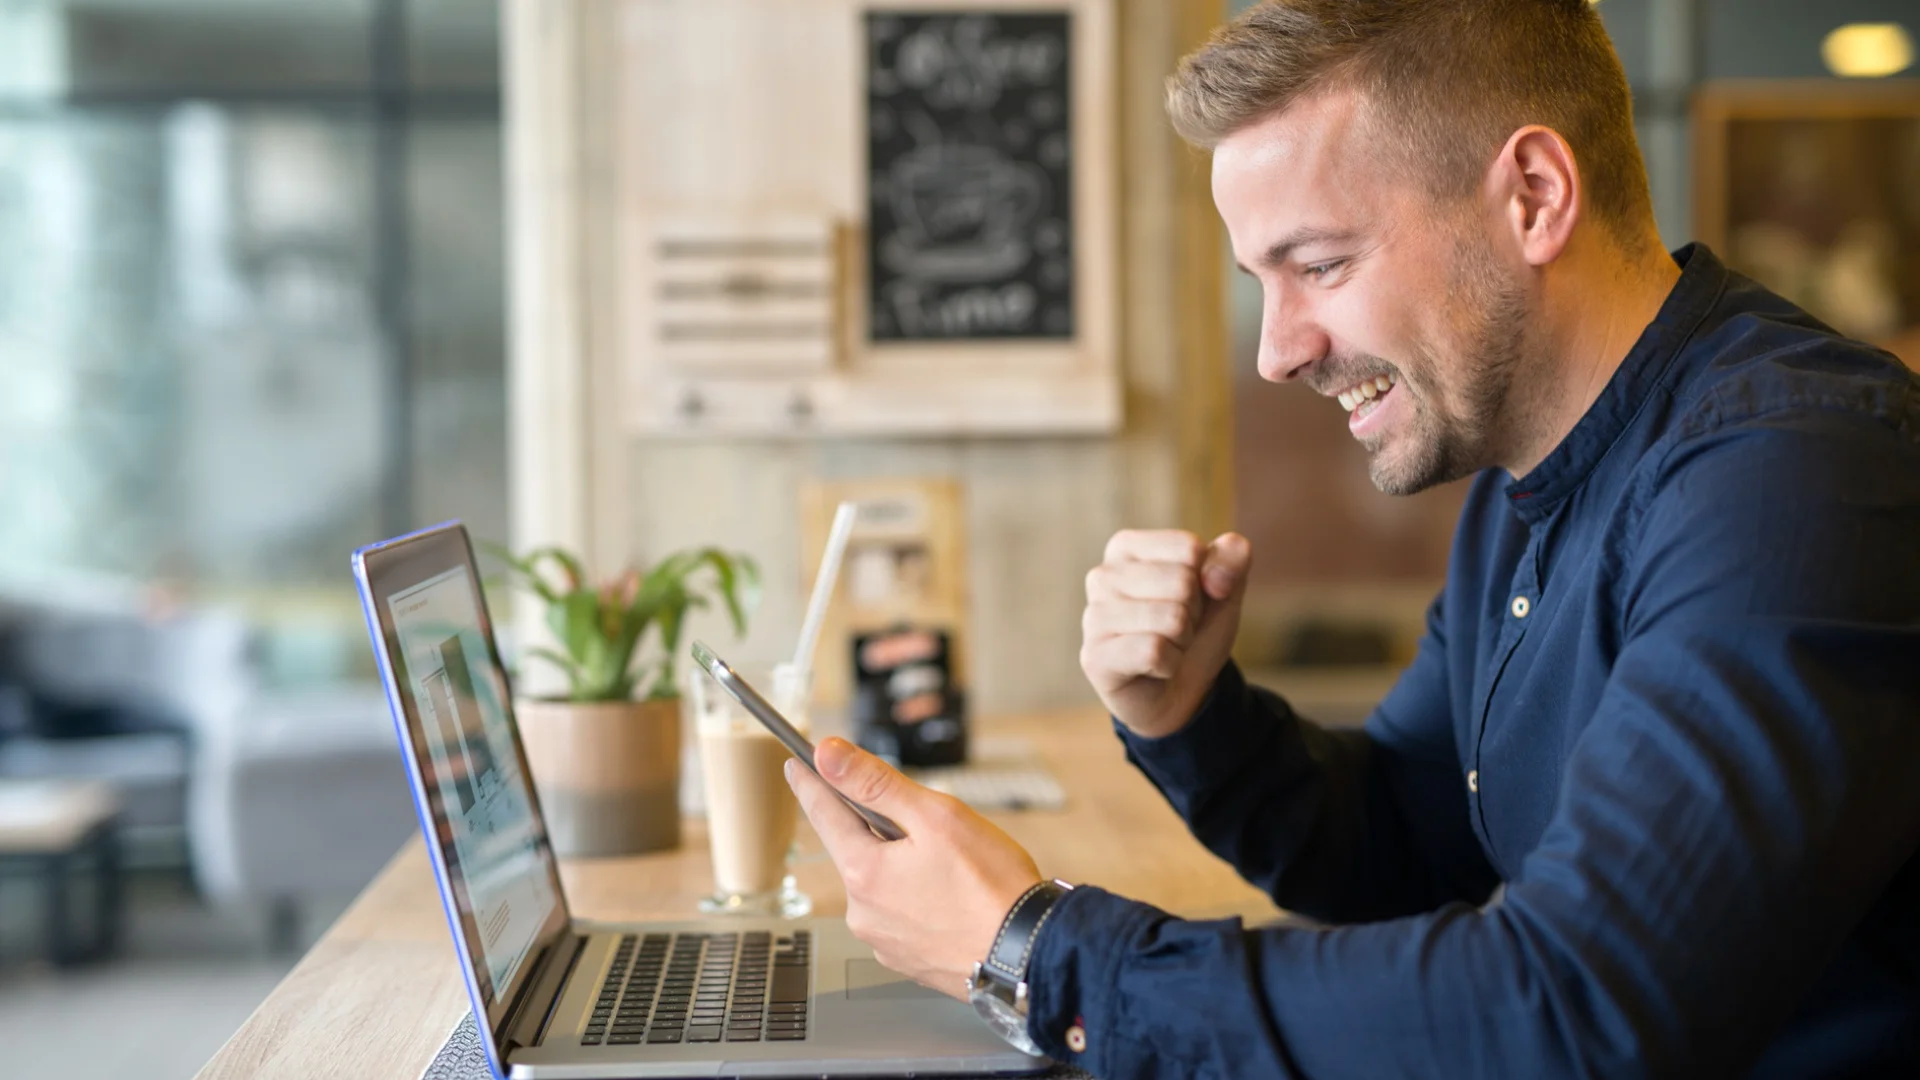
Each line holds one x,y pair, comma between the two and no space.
284,797
306,800
107,695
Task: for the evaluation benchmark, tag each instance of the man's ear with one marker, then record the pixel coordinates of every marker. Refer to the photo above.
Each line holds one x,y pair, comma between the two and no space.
1536,183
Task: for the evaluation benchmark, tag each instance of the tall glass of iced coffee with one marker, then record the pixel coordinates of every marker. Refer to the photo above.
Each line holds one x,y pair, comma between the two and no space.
751,812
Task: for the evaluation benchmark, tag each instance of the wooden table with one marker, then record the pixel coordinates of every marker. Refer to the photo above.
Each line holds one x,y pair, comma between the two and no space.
56,829
377,996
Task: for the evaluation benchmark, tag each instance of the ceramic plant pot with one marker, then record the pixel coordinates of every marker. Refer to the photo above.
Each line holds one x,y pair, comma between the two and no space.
608,773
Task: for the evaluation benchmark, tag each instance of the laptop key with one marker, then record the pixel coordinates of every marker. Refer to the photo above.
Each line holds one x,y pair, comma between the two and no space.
790,984
704,1033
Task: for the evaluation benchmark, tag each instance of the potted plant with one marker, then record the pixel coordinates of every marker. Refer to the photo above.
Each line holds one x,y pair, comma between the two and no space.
606,756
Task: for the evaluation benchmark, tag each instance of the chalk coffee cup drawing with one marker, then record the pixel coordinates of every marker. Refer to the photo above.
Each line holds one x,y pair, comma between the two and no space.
751,812
961,213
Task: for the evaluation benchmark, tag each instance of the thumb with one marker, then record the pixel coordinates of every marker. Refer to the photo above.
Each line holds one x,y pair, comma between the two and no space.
1224,572
862,777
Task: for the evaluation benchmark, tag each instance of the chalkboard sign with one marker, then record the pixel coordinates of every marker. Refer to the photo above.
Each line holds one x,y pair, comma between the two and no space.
970,166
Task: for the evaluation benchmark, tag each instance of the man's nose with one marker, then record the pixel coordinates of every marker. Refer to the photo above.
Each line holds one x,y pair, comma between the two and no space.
1289,343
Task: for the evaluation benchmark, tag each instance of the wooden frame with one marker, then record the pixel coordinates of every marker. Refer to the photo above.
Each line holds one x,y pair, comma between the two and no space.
1813,188
751,110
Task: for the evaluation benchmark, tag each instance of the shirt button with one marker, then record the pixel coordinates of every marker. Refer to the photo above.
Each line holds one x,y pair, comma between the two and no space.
1521,605
1077,1039
1473,781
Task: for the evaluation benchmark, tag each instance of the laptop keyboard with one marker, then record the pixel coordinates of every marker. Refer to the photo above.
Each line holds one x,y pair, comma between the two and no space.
702,988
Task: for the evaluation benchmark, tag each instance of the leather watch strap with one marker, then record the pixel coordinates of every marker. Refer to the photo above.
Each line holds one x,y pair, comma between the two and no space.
1013,946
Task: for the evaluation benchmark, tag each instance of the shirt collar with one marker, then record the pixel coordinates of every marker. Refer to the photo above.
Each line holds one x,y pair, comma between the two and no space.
1648,366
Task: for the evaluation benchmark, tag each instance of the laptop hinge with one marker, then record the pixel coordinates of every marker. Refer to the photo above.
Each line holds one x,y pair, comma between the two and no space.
538,1000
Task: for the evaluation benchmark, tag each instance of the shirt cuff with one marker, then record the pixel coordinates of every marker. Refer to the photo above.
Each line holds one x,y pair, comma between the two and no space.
1222,737
1073,972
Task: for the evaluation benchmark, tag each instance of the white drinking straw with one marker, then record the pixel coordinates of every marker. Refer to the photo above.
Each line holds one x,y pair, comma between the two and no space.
823,584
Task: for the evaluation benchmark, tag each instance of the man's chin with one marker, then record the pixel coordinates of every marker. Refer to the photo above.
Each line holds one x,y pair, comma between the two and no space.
1391,483
1401,473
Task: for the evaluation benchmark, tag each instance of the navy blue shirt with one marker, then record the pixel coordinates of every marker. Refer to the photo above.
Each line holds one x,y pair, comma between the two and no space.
1647,801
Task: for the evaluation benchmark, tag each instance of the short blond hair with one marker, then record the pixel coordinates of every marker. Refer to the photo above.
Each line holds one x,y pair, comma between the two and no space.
1445,83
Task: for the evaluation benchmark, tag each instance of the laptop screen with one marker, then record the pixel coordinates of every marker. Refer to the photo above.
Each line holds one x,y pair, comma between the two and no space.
497,860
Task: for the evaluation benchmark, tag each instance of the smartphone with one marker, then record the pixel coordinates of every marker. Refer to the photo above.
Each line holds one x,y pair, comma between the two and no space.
763,711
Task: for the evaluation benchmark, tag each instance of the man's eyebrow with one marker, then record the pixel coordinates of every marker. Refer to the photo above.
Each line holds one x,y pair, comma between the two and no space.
1301,237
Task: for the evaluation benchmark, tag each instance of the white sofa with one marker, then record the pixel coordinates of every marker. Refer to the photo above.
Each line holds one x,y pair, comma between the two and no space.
286,797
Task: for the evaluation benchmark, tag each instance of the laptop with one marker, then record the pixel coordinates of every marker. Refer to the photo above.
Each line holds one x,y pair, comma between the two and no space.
555,996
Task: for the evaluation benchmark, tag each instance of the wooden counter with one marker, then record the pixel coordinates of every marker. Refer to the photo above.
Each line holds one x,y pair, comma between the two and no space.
379,993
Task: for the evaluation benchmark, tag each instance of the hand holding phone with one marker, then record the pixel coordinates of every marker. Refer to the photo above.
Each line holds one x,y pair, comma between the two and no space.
763,711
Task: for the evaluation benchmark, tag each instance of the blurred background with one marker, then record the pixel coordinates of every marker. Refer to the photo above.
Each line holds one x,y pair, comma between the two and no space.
254,296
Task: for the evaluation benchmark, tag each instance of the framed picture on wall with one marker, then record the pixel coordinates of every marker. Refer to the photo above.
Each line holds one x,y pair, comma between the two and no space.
1813,189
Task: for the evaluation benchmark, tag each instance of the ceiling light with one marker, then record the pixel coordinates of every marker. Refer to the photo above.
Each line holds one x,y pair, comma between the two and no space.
1868,50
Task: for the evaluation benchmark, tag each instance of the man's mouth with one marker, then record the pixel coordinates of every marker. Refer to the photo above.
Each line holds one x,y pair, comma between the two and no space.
1361,399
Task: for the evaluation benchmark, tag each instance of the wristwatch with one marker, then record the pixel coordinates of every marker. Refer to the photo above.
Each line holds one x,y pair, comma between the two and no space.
998,988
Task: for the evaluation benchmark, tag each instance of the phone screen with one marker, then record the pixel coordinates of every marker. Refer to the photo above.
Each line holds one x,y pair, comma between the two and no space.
763,711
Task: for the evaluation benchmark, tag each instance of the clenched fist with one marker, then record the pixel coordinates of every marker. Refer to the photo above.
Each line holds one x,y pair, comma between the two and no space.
1162,612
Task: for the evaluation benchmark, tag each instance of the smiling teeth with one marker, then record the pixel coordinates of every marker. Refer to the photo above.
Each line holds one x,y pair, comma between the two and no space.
1366,391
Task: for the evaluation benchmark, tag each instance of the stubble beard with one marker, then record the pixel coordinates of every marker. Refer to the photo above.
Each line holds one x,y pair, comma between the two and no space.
1440,447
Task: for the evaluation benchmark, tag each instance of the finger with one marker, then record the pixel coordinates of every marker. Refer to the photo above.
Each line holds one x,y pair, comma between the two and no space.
1156,545
1125,657
843,832
872,783
1143,581
1228,561
1171,620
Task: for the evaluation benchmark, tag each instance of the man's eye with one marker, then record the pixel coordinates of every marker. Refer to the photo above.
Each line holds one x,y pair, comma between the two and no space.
1321,270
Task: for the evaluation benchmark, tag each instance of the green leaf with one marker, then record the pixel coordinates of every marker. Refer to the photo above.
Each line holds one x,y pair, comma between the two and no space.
523,570
602,638
672,622
566,666
739,581
573,621
576,574
607,678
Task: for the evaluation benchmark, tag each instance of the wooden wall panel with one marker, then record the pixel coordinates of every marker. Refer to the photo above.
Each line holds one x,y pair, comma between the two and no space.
1038,510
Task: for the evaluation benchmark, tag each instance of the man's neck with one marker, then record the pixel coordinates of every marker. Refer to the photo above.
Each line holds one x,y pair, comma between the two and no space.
1596,308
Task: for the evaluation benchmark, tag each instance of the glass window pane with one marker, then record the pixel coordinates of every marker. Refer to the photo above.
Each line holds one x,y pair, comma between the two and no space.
458,325
221,46
1778,39
1627,25
453,44
84,378
193,375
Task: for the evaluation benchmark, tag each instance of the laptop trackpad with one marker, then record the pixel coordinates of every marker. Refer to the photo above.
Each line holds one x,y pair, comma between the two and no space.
868,981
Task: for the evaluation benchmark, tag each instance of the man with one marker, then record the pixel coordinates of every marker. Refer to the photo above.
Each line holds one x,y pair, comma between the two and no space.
1648,800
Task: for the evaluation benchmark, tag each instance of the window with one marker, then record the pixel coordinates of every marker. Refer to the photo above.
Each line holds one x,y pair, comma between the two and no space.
251,287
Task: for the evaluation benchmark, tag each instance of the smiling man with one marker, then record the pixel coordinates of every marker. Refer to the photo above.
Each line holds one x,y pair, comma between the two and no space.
1647,802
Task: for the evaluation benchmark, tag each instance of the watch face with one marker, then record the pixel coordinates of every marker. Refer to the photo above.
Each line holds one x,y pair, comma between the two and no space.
1005,1021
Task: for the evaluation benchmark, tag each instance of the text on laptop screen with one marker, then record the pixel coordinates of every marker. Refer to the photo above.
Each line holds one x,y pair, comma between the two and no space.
484,810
